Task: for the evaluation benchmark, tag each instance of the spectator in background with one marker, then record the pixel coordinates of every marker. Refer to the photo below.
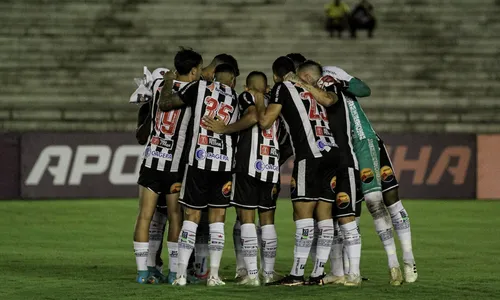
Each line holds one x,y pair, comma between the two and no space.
337,13
362,17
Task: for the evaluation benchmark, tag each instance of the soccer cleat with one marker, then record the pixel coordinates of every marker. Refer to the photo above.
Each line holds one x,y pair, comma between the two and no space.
268,278
318,280
215,281
180,281
240,274
142,277
333,279
411,274
289,280
249,281
353,280
171,277
155,276
396,277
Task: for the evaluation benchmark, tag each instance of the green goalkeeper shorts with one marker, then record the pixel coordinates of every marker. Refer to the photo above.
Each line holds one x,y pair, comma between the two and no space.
368,155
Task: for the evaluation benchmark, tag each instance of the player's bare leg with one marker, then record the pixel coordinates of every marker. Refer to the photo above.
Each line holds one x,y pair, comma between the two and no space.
352,243
249,246
269,244
174,229
383,227
147,207
325,234
401,223
303,212
216,218
187,239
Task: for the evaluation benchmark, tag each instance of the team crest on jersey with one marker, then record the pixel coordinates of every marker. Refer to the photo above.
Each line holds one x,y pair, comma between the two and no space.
293,185
342,200
226,189
387,174
366,175
266,150
200,154
175,188
333,183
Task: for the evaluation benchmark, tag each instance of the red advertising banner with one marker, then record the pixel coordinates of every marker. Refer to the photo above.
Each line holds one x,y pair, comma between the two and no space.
488,166
101,165
9,160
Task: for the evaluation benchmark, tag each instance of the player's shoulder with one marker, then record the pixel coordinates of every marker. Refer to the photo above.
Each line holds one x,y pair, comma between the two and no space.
246,96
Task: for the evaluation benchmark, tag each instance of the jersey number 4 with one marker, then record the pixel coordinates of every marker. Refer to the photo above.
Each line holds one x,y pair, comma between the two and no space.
316,112
166,122
214,109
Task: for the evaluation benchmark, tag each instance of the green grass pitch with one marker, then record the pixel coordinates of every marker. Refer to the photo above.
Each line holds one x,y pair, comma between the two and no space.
82,249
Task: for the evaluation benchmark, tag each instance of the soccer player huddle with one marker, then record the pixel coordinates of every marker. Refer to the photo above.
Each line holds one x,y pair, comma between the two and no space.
208,148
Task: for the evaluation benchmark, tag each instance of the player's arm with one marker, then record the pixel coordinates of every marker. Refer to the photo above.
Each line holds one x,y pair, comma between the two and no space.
143,124
267,115
217,125
325,98
168,99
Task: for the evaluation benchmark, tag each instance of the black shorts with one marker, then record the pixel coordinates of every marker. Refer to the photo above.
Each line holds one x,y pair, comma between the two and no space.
162,201
251,193
202,188
345,184
311,178
160,182
389,180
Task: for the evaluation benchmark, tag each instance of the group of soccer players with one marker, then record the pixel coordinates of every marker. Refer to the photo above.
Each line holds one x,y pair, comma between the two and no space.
208,149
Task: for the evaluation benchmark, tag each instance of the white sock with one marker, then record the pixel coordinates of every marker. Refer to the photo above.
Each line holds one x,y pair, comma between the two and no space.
187,239
250,248
201,250
304,233
141,255
215,247
156,230
240,262
401,223
358,219
336,253
173,253
269,245
261,248
383,226
352,243
345,257
312,253
325,240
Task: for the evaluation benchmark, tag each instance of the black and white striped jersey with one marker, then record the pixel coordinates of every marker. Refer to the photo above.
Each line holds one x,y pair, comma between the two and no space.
257,152
209,150
168,133
338,116
305,120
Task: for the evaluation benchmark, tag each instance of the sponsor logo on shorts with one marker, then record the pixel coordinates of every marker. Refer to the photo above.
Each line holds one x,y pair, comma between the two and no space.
200,154
210,141
162,142
387,174
333,183
260,166
226,189
366,175
157,154
343,200
323,131
268,151
293,185
175,188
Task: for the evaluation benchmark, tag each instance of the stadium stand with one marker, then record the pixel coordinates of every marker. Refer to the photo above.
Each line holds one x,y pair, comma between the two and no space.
69,65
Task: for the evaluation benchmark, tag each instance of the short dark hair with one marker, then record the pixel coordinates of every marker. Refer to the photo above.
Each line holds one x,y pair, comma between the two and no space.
297,58
185,60
282,66
224,58
311,64
255,74
225,68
